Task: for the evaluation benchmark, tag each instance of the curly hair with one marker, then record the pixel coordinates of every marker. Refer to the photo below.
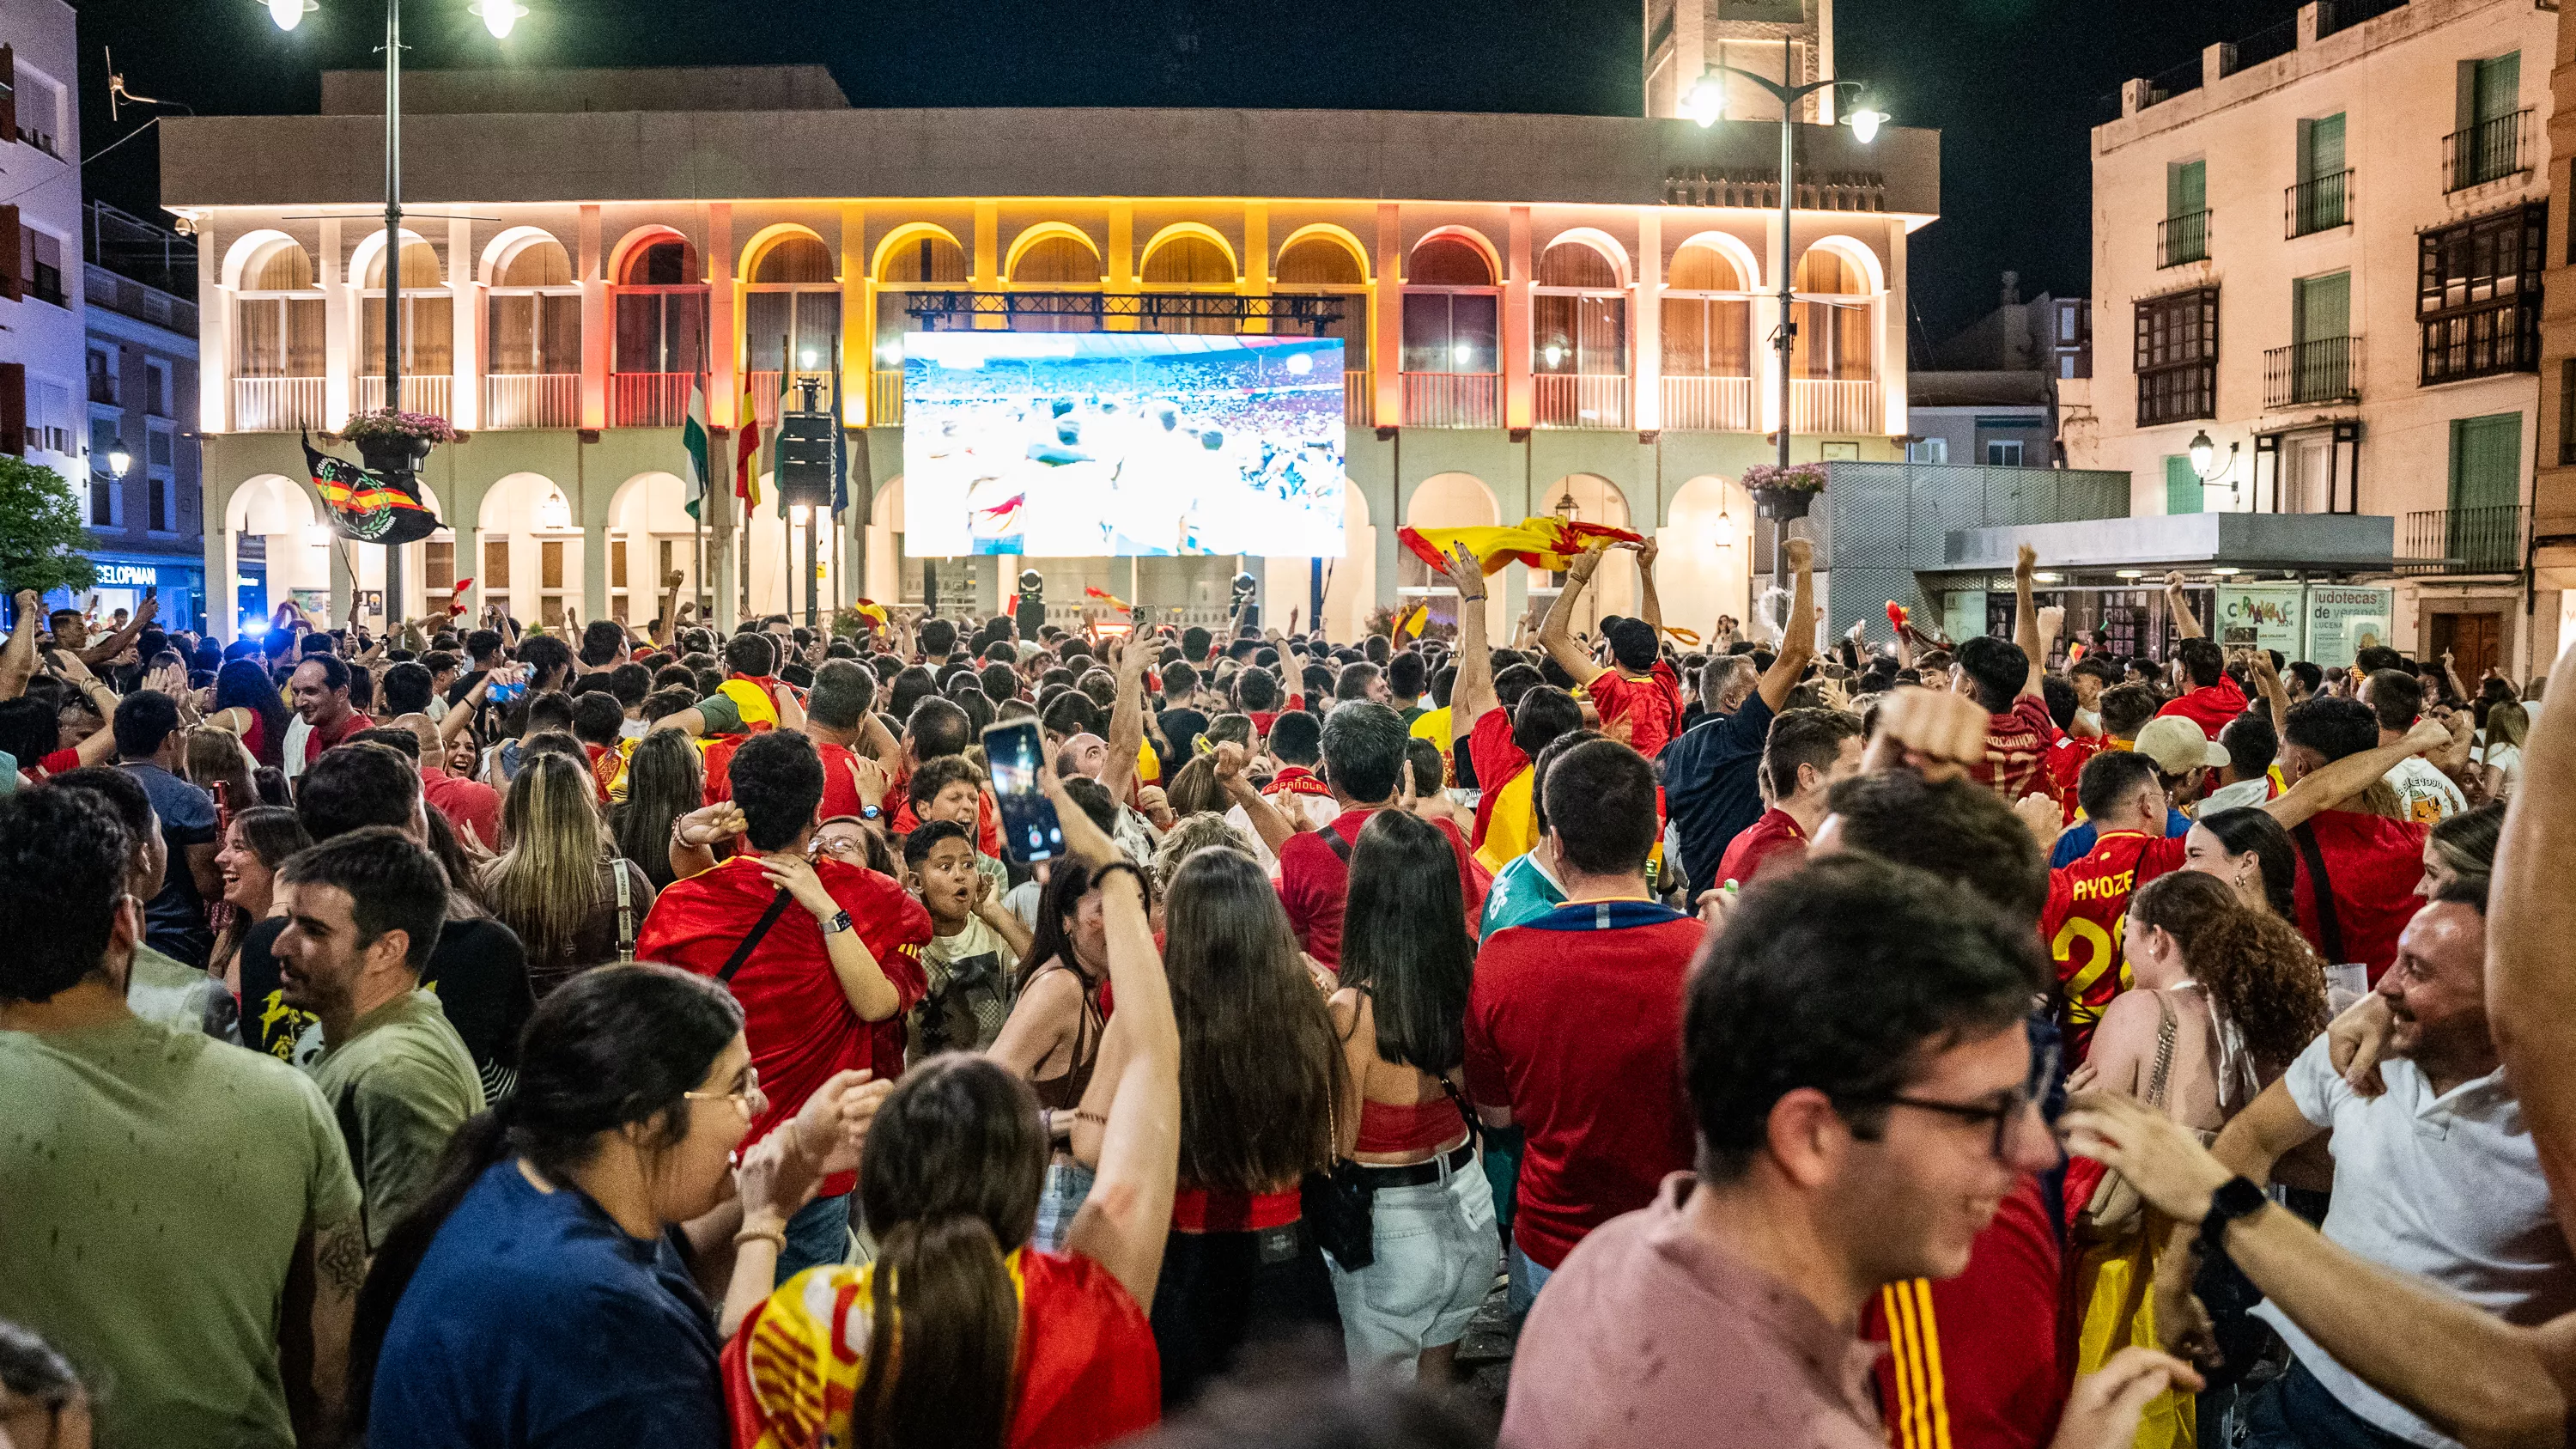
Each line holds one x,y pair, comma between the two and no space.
2256,967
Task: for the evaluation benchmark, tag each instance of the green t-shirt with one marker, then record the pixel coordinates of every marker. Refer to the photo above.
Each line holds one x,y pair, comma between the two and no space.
400,1086
153,1185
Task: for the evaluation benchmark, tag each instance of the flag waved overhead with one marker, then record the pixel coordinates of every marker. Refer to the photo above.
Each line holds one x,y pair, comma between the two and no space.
1544,542
365,507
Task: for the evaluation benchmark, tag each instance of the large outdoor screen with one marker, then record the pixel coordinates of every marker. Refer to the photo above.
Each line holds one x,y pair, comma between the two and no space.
1097,443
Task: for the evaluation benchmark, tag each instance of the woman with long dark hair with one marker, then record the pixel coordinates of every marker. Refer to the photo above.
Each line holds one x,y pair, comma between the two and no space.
1001,1343
1262,1077
559,881
664,781
1401,1015
549,1288
1053,1034
255,844
2249,850
248,704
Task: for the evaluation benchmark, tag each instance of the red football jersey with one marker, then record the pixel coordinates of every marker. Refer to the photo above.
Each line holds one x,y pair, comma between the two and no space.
2086,916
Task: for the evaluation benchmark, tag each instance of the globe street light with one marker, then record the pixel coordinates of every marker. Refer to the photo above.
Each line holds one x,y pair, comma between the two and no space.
2205,464
119,460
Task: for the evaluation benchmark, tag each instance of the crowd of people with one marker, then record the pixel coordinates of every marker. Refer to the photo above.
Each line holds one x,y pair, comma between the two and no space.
614,1035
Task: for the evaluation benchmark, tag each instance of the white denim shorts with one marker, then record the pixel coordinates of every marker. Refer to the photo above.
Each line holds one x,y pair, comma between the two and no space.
1436,1249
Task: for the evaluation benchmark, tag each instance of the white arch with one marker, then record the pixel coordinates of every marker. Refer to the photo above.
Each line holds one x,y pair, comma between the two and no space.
269,503
510,505
1327,231
650,501
1734,249
1452,500
502,249
646,235
1597,239
1493,254
237,257
1707,550
373,242
1855,251
1179,229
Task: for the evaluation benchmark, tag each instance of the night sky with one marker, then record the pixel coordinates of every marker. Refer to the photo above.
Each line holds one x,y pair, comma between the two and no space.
2013,85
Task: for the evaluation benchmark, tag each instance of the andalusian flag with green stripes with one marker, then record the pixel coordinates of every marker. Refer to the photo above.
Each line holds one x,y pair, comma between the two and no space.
693,436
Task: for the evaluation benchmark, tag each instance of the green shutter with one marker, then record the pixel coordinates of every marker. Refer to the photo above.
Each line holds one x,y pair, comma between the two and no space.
2320,147
2186,188
2321,307
2497,87
2486,461
2182,486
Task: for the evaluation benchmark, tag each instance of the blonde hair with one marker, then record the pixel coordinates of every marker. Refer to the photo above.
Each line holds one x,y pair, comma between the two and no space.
547,882
2506,724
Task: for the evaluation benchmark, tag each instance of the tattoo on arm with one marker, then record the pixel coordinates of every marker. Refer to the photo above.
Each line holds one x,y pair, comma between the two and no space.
340,1258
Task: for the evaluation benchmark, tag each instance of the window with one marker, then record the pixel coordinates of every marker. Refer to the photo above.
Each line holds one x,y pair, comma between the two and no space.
1322,265
2184,236
2477,295
2567,412
428,316
2317,202
2004,454
1451,332
2177,357
1928,450
157,388
1707,315
280,325
2486,492
105,505
43,265
1833,338
164,505
1580,312
2488,144
661,309
2182,485
102,375
792,315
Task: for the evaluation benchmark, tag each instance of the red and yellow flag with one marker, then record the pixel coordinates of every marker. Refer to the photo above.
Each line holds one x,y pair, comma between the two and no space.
1106,597
1410,623
1544,542
746,447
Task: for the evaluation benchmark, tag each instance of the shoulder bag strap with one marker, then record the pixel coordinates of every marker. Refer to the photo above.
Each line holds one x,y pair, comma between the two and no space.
1332,836
2164,1052
2321,887
1475,1129
742,952
625,912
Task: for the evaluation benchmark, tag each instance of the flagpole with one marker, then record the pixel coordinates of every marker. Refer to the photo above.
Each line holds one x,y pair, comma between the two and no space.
698,520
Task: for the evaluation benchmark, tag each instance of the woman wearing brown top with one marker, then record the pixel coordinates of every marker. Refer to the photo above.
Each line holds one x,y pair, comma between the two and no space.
1053,1034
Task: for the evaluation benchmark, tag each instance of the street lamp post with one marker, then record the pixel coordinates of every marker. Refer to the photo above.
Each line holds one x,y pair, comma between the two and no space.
1703,104
497,16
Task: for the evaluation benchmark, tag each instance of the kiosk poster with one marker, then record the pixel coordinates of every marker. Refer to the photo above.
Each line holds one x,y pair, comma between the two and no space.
2272,611
2344,621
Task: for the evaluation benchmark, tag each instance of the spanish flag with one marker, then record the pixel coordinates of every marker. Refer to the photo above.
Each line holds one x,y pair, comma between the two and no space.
746,447
1409,624
871,611
1688,638
1545,542
1106,597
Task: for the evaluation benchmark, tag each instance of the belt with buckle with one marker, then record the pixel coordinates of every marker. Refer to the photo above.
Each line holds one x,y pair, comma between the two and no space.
1418,1173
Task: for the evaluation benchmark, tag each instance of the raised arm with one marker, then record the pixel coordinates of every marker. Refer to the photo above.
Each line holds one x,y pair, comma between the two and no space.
2026,629
1556,634
18,657
1473,693
2186,624
1127,714
2331,784
1268,821
1649,607
1123,1223
2267,682
123,639
2531,976
1798,640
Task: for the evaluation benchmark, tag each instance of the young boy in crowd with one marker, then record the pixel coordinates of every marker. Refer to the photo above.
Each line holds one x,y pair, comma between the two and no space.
974,943
948,788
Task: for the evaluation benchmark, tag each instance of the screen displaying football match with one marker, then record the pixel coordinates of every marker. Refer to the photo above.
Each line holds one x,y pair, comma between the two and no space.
1084,444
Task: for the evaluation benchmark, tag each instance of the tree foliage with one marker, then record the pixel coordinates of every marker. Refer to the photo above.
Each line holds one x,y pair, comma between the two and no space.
41,534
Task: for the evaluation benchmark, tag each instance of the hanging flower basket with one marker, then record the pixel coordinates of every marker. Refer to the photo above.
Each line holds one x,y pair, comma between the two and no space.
1781,493
397,442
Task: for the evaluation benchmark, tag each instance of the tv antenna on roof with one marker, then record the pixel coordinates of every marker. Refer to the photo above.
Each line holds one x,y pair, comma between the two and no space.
117,92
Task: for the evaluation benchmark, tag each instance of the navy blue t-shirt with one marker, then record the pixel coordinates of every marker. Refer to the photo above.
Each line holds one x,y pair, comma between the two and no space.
174,920
1712,785
2077,842
534,1320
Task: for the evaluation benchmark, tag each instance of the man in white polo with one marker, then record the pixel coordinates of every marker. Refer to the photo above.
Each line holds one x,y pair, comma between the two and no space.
2434,1175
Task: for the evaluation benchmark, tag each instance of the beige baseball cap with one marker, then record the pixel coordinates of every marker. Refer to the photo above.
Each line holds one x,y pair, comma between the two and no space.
2177,745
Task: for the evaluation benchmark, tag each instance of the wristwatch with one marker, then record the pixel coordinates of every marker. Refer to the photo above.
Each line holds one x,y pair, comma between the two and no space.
871,812
2237,1197
839,922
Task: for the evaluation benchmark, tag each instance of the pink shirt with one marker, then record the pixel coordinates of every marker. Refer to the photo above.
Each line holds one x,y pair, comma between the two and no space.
1651,1335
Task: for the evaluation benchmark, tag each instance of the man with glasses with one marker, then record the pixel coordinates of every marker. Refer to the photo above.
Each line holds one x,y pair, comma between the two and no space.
1856,1055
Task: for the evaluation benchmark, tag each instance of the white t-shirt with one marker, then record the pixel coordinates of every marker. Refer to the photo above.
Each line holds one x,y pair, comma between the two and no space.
290,760
2427,793
2230,797
2448,1188
2507,758
1320,811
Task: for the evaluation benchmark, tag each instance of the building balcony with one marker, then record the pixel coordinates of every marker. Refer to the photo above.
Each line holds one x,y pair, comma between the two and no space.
532,400
1359,398
885,399
2464,540
1834,405
1580,400
431,393
276,404
2489,340
2325,370
766,390
1709,404
2488,151
2178,393
653,399
2320,203
2181,239
1453,400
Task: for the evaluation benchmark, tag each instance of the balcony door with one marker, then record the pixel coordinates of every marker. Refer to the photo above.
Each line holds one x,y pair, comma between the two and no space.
2486,491
2321,326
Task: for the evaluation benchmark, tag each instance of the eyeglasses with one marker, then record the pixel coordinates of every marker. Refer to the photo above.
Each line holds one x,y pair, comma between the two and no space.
2000,1112
745,1100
